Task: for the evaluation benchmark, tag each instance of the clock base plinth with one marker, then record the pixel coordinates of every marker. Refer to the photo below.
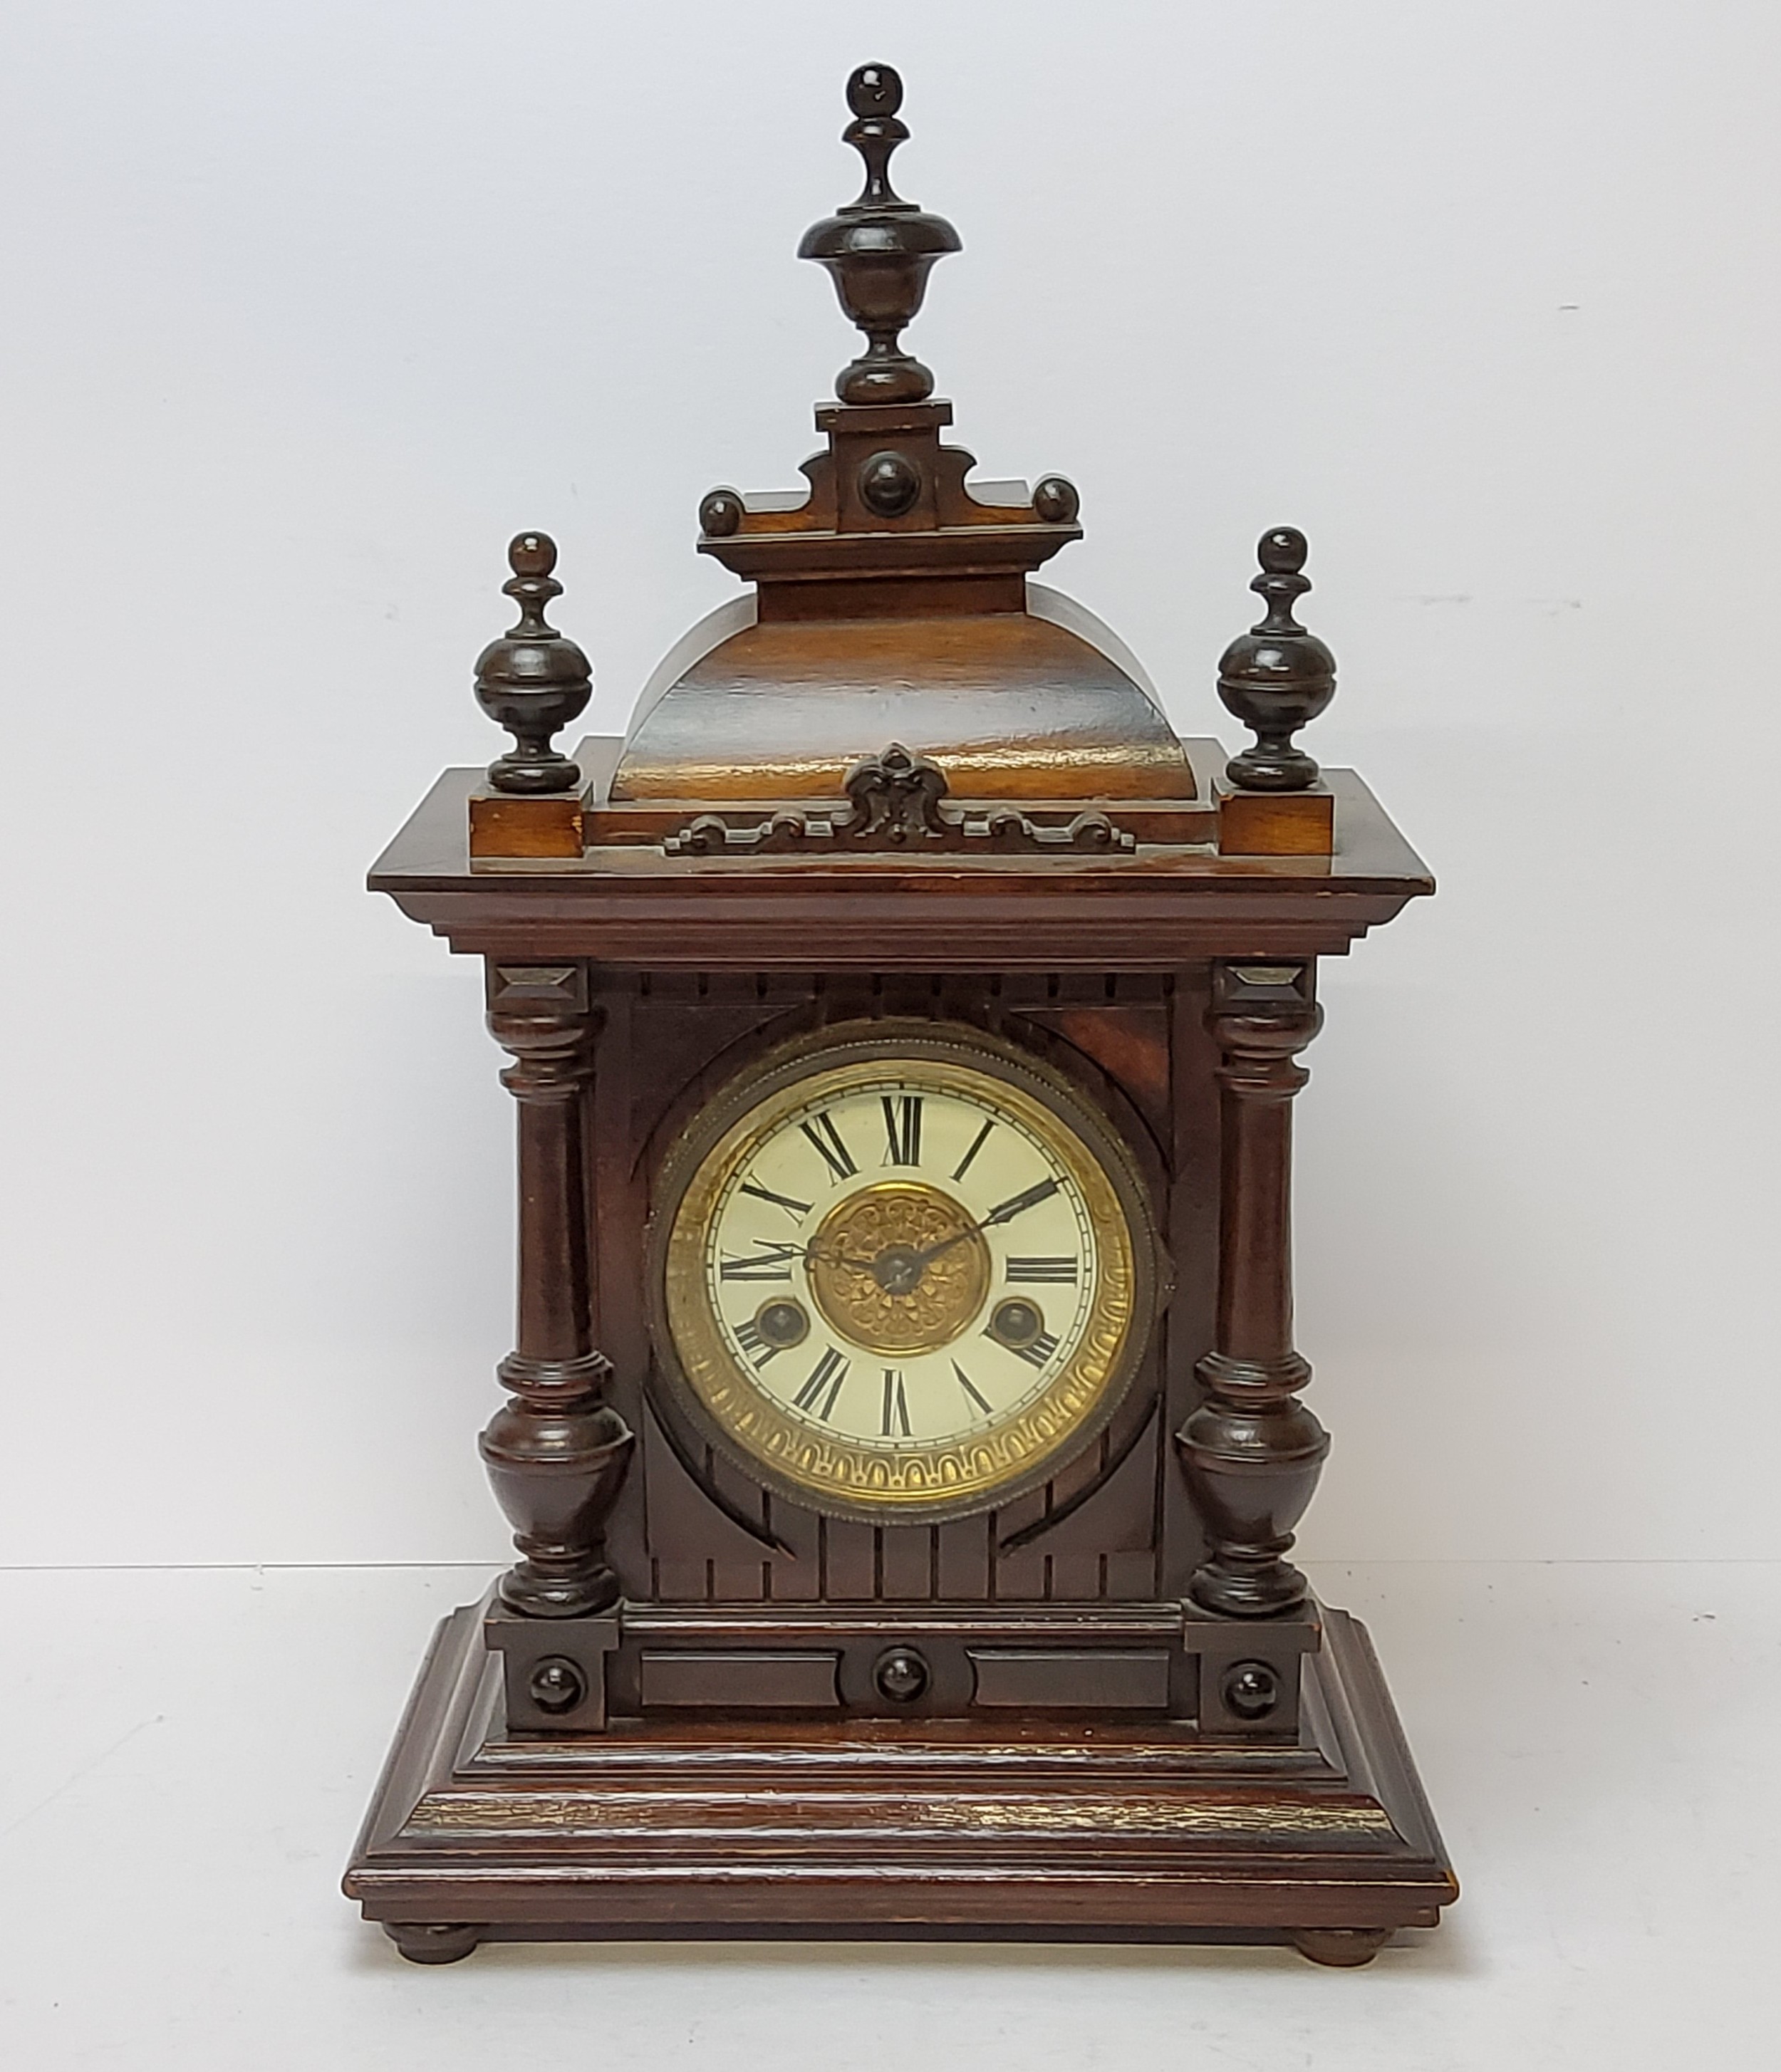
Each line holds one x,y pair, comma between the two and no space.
1021,1830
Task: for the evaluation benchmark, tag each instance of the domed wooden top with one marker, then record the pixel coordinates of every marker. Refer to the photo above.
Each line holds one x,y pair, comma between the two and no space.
1039,702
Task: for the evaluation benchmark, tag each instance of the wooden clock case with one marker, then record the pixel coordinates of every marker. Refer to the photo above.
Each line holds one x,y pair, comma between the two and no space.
1108,1708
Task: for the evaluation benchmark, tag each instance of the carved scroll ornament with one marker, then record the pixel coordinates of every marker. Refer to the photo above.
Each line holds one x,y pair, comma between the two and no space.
897,804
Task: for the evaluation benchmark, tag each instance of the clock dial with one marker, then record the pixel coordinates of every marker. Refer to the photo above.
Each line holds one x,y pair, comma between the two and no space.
902,1278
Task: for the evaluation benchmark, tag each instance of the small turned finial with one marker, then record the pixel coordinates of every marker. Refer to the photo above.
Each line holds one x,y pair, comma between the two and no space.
1277,677
875,92
533,680
878,250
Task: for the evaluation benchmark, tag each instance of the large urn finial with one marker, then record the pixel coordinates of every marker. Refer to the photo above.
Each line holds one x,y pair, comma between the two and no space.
878,250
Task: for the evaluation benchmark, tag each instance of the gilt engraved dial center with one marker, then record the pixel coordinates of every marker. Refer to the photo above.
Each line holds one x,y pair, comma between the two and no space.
900,1267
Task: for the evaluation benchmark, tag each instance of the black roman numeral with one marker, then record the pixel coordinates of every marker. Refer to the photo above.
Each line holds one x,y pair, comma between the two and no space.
770,1264
759,1349
1016,1204
903,1127
825,1140
829,1372
895,1423
963,1166
1043,1269
969,1386
795,1209
1039,1352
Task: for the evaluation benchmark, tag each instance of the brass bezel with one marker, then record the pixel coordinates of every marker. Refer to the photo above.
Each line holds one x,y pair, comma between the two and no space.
957,1478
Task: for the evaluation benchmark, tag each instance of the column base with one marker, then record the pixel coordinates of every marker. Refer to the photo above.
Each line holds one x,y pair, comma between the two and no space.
529,1590
1269,1589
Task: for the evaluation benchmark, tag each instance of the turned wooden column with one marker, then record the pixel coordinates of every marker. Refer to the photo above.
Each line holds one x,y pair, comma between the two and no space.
556,1453
1251,1452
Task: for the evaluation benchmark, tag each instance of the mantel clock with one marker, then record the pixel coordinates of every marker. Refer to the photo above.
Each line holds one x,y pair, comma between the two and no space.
904,1434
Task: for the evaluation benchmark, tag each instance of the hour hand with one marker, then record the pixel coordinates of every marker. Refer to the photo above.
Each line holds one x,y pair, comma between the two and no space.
840,1258
772,1262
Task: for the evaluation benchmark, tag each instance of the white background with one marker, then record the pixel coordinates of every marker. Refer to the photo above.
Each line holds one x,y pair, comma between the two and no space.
312,303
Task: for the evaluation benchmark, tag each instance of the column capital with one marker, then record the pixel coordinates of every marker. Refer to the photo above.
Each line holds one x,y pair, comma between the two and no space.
1264,1011
540,1015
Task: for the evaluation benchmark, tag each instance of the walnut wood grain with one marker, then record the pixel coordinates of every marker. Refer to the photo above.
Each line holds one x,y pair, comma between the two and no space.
914,1831
1277,823
1135,913
783,708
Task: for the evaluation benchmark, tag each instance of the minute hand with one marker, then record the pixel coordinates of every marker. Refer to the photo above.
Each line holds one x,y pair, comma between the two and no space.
1041,1191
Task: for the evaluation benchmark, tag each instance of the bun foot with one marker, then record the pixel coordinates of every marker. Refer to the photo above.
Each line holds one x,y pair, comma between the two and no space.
434,1942
1347,1947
